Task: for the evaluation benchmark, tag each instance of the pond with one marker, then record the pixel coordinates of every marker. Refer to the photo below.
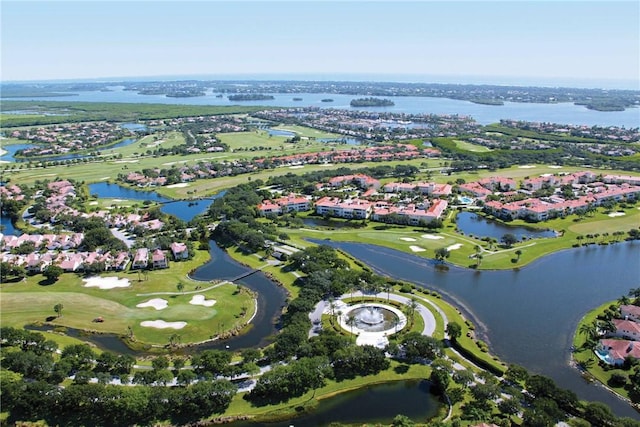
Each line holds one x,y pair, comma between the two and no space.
7,226
372,404
528,316
186,210
281,132
476,225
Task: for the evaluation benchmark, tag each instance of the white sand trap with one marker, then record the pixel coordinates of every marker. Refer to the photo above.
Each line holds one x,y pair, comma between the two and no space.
555,167
296,167
126,161
200,300
104,178
179,185
161,324
454,247
93,203
106,282
408,239
615,214
118,200
431,237
417,249
527,166
327,164
157,303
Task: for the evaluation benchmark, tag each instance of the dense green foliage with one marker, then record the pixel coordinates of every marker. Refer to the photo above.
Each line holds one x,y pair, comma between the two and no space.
114,112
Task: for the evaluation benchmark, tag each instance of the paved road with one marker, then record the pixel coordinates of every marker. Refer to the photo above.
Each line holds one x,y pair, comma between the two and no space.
429,320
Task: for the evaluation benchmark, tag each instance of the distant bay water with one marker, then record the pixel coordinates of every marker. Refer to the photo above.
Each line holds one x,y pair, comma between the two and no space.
564,113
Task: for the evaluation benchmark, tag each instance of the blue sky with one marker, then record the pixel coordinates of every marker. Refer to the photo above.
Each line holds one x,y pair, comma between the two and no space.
506,41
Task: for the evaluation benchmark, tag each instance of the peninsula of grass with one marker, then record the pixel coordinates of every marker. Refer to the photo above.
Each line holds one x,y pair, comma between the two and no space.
31,302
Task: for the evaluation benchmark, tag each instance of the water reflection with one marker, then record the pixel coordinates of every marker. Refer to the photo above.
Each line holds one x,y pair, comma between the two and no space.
472,224
373,404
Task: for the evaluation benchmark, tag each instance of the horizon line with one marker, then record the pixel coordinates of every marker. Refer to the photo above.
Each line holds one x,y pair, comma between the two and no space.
461,79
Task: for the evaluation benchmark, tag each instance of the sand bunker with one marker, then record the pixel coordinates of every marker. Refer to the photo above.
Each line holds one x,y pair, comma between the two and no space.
157,303
614,214
408,239
431,237
161,324
126,161
296,167
327,164
179,185
93,203
106,282
417,249
527,166
555,167
454,247
200,300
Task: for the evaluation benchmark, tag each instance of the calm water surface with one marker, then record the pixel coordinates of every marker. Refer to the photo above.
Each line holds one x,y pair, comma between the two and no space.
471,224
565,113
528,316
378,403
7,226
186,210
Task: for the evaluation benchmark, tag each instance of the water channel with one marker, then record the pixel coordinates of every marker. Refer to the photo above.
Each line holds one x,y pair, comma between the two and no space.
470,223
527,315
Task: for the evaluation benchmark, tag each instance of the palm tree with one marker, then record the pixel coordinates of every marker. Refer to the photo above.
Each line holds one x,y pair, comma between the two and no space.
624,300
387,287
180,287
351,321
411,307
589,330
519,253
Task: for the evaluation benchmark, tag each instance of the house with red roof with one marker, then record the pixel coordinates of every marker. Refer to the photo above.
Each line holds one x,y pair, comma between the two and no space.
630,312
626,329
140,259
159,259
179,251
615,352
350,208
290,203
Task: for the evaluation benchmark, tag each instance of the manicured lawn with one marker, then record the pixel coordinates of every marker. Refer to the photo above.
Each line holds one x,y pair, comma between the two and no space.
464,145
32,302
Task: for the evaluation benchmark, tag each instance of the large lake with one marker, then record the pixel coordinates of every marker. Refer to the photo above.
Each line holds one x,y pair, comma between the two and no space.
528,316
566,113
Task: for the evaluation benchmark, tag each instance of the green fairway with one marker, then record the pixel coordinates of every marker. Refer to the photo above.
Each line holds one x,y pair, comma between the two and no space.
31,302
464,145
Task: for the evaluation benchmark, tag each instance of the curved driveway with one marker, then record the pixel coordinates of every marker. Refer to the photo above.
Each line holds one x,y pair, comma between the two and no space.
429,320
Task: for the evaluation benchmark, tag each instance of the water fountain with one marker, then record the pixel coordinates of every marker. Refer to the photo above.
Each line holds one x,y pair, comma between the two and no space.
373,318
370,315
